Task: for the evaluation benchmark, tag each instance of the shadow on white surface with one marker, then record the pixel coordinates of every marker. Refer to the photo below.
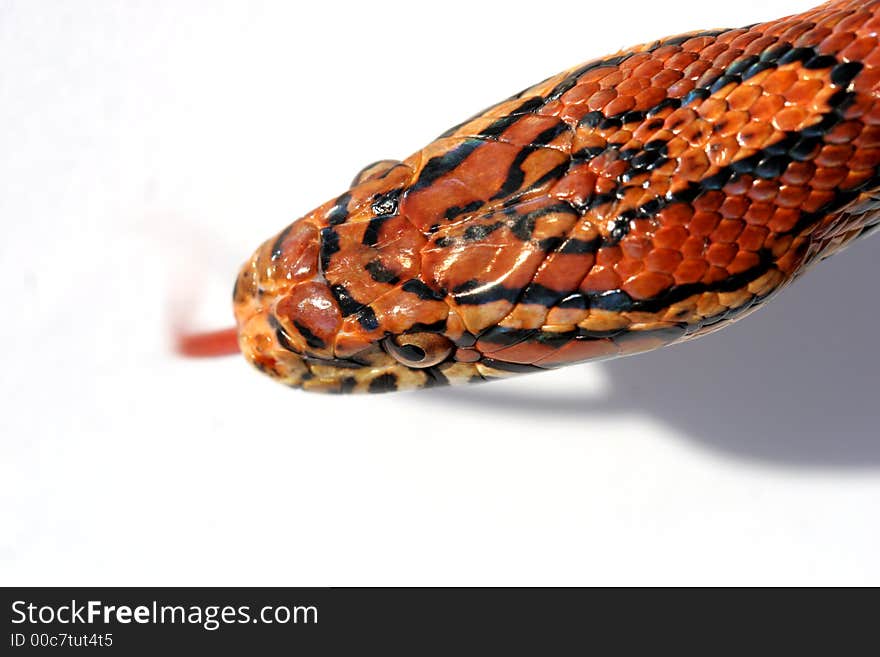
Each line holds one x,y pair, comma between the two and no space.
794,384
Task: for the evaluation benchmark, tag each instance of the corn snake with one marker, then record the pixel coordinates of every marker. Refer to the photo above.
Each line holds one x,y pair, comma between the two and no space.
635,201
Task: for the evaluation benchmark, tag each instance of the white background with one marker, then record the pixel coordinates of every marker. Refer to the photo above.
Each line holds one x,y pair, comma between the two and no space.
147,148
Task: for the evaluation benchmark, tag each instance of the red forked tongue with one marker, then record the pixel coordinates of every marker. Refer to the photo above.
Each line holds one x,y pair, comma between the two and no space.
208,344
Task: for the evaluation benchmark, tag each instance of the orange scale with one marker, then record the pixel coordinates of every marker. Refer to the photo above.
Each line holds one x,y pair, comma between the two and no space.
635,246
720,255
752,238
759,45
835,42
579,93
526,352
694,247
801,92
714,275
595,75
693,165
620,105
755,134
828,178
691,270
698,44
632,86
608,255
676,214
649,68
647,284
869,78
310,316
763,190
790,119
777,82
835,155
398,311
664,261
670,237
681,60
551,108
856,178
854,21
791,196
860,106
740,185
524,131
859,49
709,201
813,36
564,271
614,78
601,279
744,40
727,231
665,77
704,223
627,268
577,186
665,53
784,219
600,99
744,261
580,351
768,105
870,137
297,254
699,68
759,213
734,207
798,173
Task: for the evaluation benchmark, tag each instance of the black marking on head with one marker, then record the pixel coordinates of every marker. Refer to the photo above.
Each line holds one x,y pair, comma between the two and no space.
845,72
371,234
480,231
527,107
312,340
280,334
434,327
347,384
277,251
440,165
535,293
339,212
474,293
380,273
348,305
367,319
574,76
574,301
386,204
342,363
435,377
422,291
455,211
383,383
329,246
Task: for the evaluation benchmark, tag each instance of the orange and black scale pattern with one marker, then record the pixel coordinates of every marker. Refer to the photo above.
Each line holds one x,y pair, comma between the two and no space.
629,203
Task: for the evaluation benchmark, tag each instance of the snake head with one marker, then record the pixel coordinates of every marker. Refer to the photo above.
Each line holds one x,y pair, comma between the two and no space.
335,301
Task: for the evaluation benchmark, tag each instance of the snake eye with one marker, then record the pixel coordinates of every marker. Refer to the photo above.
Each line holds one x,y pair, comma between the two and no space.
418,349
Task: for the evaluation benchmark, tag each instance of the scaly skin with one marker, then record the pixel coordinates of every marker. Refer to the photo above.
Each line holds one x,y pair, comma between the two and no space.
632,202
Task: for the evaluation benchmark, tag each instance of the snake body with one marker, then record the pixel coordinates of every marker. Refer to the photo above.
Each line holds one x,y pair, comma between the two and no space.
635,201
